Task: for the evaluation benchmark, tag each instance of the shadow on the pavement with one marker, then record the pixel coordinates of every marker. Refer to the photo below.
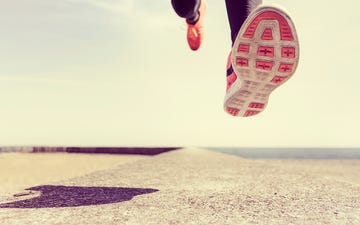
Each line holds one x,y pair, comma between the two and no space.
73,196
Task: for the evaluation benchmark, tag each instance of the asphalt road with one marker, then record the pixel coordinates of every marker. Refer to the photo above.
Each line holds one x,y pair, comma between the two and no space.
195,186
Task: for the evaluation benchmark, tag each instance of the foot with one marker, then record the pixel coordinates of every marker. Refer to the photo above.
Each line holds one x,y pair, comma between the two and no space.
195,32
265,55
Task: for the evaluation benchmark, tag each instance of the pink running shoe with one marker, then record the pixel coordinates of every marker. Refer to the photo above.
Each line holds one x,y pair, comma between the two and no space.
265,55
195,32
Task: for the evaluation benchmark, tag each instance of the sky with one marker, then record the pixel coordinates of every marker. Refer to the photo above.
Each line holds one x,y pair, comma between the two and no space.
120,73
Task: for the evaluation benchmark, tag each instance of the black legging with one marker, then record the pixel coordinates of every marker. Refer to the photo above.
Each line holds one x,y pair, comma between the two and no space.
237,11
188,9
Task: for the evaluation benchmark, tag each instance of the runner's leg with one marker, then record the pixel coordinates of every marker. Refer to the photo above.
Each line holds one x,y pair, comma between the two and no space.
188,9
238,11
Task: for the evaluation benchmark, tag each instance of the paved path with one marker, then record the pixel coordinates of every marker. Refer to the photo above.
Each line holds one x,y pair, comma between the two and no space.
194,186
23,170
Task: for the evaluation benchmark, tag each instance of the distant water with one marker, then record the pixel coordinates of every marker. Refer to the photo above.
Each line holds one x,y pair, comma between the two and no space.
292,153
256,153
16,149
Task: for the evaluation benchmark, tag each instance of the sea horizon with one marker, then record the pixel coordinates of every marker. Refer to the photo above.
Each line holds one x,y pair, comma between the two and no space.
291,152
246,152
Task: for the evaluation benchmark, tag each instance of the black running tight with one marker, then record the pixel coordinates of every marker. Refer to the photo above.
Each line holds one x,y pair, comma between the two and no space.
237,11
188,9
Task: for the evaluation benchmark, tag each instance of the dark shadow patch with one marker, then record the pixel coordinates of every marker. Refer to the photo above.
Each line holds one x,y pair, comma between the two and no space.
74,196
107,150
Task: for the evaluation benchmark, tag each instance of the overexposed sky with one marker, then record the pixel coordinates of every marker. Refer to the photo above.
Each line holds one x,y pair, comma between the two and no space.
120,73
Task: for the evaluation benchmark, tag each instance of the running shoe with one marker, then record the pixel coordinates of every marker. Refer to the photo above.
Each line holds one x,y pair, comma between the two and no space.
195,32
264,56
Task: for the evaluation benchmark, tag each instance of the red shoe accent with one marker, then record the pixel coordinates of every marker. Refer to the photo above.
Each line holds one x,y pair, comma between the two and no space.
230,80
264,65
285,68
228,64
251,113
265,51
256,105
267,34
195,33
244,48
233,111
278,79
242,62
288,52
285,31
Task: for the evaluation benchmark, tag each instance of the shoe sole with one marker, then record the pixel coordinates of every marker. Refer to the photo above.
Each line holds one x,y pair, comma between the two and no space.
264,56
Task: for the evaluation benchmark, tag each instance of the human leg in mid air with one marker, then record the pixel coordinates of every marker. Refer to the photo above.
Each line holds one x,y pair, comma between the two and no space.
265,54
193,11
265,50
